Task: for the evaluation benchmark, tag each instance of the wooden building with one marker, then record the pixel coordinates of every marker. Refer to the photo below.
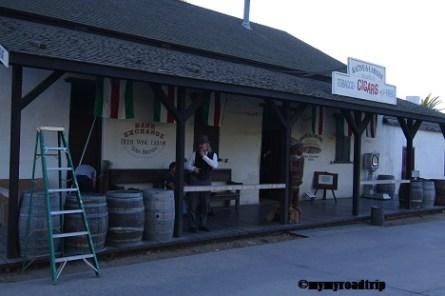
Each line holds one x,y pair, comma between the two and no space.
269,81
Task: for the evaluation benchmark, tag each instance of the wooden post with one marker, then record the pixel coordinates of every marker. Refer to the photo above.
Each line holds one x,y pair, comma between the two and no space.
283,115
409,128
181,114
286,165
356,173
14,160
358,125
180,173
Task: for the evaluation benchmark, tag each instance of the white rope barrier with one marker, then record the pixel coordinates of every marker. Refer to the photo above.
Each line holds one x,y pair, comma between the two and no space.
233,187
384,182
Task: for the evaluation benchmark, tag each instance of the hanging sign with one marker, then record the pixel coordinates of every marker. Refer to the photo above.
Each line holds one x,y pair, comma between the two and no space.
4,56
364,81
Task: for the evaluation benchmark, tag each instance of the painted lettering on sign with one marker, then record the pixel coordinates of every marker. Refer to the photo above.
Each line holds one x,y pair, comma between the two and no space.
144,139
366,70
364,81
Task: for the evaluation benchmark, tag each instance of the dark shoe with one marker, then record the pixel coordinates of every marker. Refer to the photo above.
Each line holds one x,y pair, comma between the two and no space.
204,228
193,230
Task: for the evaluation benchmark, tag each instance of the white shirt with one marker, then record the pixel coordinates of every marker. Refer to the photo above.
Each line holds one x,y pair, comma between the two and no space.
190,164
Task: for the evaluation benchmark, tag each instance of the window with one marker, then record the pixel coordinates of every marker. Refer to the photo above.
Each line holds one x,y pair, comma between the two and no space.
342,142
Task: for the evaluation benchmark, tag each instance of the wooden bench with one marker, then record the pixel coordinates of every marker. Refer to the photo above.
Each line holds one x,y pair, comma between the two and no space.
113,178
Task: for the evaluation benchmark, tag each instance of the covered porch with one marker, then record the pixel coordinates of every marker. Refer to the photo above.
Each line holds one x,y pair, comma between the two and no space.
281,92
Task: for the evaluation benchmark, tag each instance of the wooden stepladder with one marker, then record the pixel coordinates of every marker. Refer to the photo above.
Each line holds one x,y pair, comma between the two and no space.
57,264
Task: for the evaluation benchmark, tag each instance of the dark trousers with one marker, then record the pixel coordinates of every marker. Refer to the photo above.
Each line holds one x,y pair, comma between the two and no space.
198,204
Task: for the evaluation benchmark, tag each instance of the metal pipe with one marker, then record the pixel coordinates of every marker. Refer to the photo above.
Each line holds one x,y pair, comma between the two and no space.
246,20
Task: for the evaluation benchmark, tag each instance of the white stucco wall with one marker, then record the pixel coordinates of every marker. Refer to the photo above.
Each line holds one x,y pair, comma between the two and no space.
239,144
49,109
429,150
240,138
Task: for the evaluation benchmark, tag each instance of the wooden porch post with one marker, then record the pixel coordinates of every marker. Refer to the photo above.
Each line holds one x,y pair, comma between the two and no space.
283,114
181,114
286,159
409,128
180,157
357,125
14,160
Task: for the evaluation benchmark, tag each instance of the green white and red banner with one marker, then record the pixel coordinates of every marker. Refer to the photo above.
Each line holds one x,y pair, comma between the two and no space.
212,109
318,120
114,98
160,113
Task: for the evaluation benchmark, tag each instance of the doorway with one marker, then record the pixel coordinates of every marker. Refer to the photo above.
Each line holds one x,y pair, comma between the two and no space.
272,157
83,93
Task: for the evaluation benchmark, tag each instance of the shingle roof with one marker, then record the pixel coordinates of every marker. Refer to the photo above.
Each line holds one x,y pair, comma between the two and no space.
184,24
425,126
25,37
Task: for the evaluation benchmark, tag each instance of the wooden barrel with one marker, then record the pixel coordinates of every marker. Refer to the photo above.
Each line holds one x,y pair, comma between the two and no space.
386,188
159,214
429,193
97,215
416,195
126,216
440,192
37,244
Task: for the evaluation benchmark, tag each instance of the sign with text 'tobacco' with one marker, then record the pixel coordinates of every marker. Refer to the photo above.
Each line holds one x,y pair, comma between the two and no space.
364,81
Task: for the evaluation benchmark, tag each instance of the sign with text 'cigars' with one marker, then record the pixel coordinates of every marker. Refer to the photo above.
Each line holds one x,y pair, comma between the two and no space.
364,81
143,139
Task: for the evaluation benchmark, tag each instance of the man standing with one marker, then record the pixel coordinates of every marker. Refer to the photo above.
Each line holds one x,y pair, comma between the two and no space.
200,164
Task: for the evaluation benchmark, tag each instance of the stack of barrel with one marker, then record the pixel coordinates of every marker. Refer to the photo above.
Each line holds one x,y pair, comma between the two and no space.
119,218
418,194
137,215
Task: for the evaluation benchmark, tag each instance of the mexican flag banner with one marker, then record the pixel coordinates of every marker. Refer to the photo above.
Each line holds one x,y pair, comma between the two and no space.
371,129
317,120
160,113
114,98
212,109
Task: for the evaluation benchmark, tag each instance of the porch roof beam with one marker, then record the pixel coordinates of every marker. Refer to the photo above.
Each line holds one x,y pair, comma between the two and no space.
297,113
40,88
29,60
196,103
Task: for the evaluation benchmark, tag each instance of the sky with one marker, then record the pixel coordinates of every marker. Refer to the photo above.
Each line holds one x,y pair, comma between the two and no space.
405,36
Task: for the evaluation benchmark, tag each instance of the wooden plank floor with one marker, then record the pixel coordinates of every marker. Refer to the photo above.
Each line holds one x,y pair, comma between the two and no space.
226,223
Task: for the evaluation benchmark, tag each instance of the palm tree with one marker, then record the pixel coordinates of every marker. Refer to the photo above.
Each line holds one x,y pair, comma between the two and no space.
432,102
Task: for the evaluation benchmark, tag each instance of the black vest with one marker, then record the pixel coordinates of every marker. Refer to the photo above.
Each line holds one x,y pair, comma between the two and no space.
205,171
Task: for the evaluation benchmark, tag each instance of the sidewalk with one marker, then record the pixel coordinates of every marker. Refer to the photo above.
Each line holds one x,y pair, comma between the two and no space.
409,257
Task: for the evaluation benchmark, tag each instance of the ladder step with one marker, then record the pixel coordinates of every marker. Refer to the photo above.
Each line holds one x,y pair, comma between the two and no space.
73,258
64,149
60,169
51,128
70,234
62,190
66,212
